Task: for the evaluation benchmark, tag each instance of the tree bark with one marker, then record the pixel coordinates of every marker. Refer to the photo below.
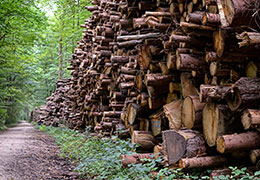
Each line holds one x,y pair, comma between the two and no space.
138,37
60,58
195,17
157,79
239,12
202,162
212,93
135,158
189,62
238,142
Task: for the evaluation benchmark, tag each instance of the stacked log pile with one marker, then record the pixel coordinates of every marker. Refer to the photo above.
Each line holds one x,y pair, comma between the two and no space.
181,73
57,108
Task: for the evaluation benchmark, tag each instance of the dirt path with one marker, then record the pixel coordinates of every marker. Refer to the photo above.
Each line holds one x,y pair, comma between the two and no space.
29,154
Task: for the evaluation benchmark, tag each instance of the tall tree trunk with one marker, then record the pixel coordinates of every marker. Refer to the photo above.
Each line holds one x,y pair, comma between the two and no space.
60,58
78,8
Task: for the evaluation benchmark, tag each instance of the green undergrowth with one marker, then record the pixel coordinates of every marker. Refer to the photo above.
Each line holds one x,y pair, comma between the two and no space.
100,159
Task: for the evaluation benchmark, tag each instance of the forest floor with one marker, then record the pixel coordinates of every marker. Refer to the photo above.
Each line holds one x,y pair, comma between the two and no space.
29,154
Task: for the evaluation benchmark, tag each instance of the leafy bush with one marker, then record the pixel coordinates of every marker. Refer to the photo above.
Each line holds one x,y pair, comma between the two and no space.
97,158
100,159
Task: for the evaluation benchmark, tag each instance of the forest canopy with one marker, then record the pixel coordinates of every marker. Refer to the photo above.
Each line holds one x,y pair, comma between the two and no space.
36,37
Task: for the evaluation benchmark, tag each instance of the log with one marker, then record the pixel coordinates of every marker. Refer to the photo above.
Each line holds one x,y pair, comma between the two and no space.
138,37
253,69
219,70
171,97
238,142
159,14
156,102
189,62
213,56
144,139
144,124
155,91
195,17
164,68
187,86
244,94
211,18
217,120
251,118
183,143
255,156
157,151
119,59
139,23
174,87
133,111
191,113
126,70
126,24
173,113
129,44
201,162
157,79
126,85
171,61
91,8
135,158
113,114
219,172
145,57
197,26
156,25
219,41
248,38
238,12
186,39
212,93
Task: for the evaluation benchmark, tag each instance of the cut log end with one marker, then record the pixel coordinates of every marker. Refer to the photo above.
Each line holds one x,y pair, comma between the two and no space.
246,120
210,123
188,113
144,139
234,100
251,69
213,68
255,156
221,144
